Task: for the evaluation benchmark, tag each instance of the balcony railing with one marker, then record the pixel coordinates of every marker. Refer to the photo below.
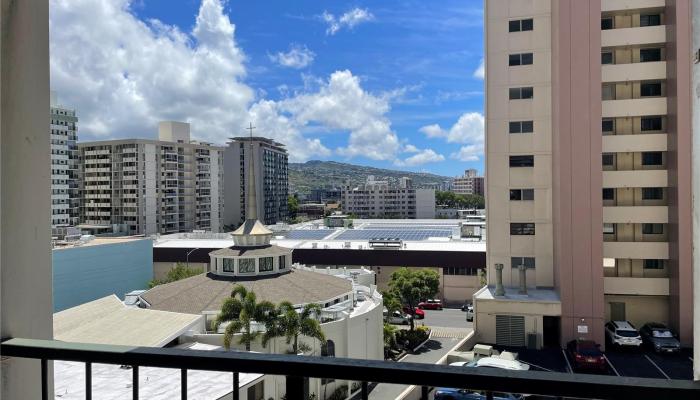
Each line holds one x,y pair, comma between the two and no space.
296,368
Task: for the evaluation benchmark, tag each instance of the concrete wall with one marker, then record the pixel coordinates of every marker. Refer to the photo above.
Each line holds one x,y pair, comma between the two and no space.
82,274
695,96
640,309
425,203
25,199
533,312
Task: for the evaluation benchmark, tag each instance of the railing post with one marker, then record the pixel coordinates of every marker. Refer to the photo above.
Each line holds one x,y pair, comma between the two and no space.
424,393
236,384
135,382
295,387
183,384
88,381
44,379
365,392
489,395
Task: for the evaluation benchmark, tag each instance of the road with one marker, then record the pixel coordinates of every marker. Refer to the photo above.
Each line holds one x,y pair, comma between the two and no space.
445,318
433,351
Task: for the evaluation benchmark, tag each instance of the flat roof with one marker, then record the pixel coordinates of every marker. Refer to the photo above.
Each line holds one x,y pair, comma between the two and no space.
97,241
109,321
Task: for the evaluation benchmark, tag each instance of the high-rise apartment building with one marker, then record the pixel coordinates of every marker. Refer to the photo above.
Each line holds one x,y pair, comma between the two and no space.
140,186
469,183
378,199
64,167
270,161
588,168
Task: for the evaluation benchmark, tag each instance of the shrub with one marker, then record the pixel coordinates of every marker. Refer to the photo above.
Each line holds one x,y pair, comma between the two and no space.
340,393
414,337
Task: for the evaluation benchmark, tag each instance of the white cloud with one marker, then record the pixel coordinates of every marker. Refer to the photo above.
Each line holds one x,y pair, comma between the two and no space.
297,57
409,148
468,130
422,157
480,71
348,20
124,75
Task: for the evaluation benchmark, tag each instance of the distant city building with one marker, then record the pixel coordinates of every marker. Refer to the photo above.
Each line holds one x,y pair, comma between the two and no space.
377,199
470,183
65,200
140,186
271,180
323,195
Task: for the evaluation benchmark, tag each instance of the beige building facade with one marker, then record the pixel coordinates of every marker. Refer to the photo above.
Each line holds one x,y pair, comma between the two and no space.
588,160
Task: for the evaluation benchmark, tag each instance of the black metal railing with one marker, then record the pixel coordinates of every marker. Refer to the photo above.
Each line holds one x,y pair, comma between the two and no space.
297,368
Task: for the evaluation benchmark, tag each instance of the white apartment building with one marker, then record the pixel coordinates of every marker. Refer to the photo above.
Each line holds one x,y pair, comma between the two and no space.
377,199
64,167
140,186
271,180
469,183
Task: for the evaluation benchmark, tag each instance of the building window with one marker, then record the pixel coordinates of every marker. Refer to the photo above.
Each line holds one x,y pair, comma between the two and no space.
652,158
652,193
521,127
229,265
649,20
520,59
522,194
609,229
653,264
282,262
522,228
522,161
608,194
266,264
608,92
649,55
608,126
607,57
650,89
653,229
651,124
528,262
520,25
607,23
520,93
466,271
246,266
608,159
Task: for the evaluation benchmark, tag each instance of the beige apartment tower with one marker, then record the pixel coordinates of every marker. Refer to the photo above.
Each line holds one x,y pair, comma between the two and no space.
140,186
588,168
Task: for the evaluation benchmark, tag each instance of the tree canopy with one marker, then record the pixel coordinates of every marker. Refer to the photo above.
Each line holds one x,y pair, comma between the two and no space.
241,310
180,271
409,286
454,200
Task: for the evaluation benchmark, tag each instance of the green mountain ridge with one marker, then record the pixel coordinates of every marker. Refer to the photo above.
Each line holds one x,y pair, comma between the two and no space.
327,174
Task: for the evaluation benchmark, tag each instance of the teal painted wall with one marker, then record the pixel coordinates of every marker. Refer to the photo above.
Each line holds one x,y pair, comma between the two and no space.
82,274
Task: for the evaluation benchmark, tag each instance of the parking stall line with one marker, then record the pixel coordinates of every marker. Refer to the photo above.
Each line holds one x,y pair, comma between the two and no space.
611,365
568,365
657,367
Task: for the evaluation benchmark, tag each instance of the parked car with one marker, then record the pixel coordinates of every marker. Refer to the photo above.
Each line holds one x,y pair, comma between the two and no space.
430,304
466,394
417,312
586,354
659,338
466,305
470,313
622,333
397,318
486,362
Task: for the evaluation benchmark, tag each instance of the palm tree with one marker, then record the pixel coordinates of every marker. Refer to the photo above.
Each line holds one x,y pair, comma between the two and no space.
240,311
292,324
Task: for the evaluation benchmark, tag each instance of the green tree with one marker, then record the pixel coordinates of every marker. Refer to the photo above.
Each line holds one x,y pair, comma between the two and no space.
181,271
292,206
411,286
241,310
389,336
291,324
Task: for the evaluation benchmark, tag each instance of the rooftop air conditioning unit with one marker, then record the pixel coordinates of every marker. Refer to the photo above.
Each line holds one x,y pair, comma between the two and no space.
314,245
346,245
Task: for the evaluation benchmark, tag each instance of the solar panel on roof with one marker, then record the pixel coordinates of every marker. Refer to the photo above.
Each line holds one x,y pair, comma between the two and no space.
396,234
308,234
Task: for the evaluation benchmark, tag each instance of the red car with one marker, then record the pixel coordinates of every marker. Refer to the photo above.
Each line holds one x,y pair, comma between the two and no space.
430,304
417,312
586,354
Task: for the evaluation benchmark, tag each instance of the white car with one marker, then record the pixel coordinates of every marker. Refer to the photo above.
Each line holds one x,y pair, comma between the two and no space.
398,318
493,362
470,312
622,333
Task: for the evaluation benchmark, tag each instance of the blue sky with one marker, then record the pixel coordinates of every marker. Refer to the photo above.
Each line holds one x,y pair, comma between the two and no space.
384,83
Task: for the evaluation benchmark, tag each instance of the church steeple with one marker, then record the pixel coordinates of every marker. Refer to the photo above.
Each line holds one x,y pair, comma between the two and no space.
252,233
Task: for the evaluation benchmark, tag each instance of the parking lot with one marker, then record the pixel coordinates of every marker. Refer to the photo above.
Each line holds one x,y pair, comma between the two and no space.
445,318
639,363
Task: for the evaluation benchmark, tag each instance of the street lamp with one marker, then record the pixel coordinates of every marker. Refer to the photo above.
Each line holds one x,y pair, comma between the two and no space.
187,258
